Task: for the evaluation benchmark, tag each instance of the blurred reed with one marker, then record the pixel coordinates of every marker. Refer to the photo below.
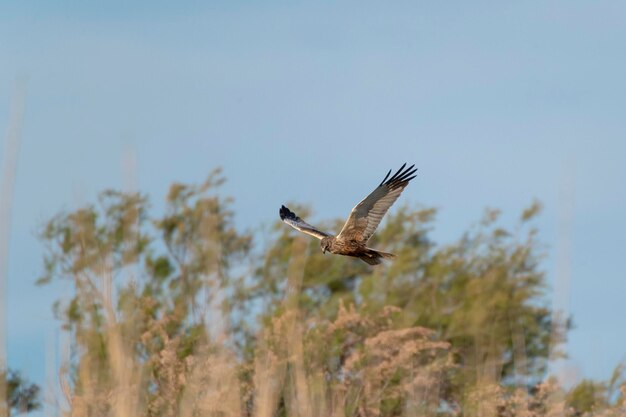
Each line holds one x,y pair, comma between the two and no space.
9,169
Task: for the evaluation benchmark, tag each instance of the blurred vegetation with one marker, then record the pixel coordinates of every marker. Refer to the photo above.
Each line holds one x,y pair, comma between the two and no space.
183,314
22,396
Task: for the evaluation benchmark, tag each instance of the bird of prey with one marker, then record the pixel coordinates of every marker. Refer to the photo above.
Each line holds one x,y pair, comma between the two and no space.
363,220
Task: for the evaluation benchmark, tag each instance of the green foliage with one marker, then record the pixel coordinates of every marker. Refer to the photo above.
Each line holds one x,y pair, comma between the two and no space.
22,396
587,395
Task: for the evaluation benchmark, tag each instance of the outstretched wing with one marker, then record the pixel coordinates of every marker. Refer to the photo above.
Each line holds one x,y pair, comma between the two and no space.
297,223
366,216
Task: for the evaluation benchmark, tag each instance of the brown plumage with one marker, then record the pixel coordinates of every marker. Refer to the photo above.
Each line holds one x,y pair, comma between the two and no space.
362,222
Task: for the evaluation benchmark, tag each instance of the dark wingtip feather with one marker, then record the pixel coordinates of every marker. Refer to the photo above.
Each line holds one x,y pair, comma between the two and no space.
284,212
395,176
401,177
385,179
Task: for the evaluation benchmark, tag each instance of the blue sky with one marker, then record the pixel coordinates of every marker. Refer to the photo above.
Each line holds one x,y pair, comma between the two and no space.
497,103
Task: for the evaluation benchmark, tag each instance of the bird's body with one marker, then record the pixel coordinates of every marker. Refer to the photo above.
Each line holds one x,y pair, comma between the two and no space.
355,249
363,220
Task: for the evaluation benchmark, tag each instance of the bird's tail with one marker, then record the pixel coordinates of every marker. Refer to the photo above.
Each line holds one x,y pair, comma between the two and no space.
375,257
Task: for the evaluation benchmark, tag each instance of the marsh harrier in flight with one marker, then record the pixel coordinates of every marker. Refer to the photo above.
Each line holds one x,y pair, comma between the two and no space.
363,220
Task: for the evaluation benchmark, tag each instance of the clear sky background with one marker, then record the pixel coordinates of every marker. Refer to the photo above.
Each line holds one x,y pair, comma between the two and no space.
497,103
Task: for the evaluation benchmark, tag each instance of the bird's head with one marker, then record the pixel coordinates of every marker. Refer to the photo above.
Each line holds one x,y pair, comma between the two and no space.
325,244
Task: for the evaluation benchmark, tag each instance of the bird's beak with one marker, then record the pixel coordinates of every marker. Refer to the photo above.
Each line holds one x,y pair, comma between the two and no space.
324,251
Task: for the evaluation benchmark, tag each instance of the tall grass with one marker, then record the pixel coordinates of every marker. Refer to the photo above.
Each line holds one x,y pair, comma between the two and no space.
9,168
